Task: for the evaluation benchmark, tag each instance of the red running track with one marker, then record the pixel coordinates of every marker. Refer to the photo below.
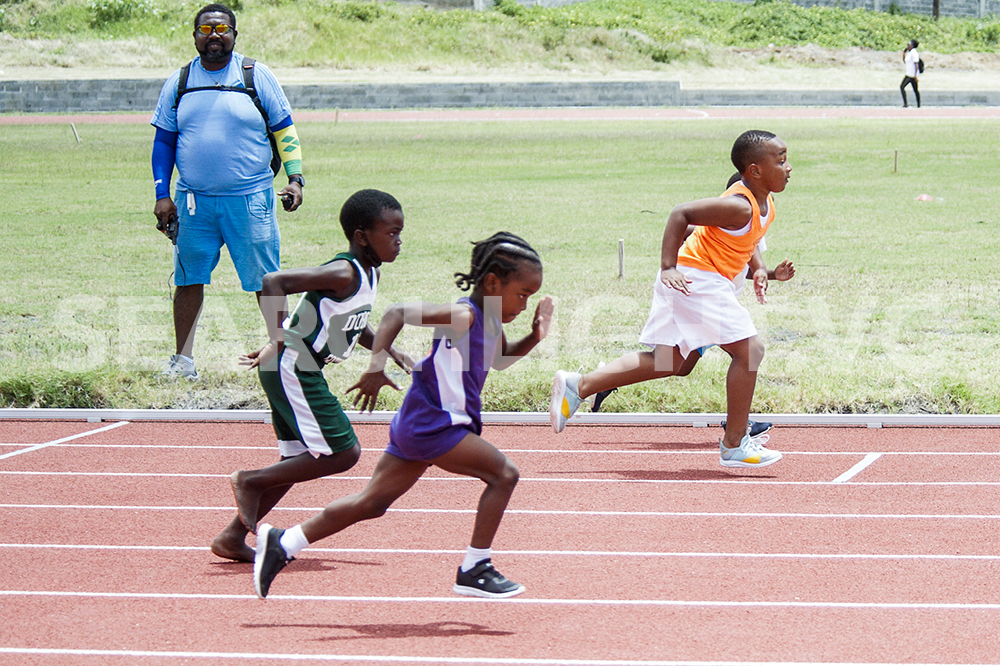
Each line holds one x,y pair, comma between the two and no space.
875,546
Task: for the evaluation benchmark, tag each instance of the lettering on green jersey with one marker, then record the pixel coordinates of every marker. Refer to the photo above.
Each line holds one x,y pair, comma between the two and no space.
357,321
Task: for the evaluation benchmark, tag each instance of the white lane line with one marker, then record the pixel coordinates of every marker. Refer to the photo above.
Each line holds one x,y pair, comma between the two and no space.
839,605
858,468
538,553
400,659
54,442
603,452
735,479
755,515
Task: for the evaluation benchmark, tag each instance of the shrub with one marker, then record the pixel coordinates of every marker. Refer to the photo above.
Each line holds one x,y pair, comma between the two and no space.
105,12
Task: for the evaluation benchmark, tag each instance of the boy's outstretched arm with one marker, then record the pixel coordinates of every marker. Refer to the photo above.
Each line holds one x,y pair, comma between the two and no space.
759,274
273,304
453,317
401,358
336,278
511,352
725,212
782,272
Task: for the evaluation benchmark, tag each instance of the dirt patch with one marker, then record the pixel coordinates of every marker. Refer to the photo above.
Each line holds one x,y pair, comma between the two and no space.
770,68
815,56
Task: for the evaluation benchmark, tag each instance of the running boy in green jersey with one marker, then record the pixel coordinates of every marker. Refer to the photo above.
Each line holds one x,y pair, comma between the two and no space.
315,437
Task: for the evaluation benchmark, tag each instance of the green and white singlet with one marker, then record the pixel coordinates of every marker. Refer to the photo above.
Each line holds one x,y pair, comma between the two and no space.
328,328
306,416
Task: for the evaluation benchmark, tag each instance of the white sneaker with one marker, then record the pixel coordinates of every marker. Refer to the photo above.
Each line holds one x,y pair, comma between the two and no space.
181,366
565,400
750,453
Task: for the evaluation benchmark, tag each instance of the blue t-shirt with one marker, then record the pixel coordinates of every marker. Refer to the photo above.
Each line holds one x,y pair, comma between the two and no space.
222,144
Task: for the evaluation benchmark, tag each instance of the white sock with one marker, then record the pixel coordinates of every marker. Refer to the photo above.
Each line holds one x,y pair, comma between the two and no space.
474,556
294,541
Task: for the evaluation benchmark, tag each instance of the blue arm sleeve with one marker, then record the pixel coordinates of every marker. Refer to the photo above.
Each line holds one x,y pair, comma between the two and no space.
164,153
282,125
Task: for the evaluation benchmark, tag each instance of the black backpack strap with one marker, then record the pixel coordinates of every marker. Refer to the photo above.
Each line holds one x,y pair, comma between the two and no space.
182,84
251,90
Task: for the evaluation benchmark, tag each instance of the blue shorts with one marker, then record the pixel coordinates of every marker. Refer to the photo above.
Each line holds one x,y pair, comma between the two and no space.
246,225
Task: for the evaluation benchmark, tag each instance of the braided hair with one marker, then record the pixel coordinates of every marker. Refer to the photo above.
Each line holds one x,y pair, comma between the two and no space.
500,254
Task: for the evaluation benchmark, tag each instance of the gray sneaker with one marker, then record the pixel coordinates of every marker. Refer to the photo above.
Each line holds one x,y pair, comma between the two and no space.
181,366
565,400
750,453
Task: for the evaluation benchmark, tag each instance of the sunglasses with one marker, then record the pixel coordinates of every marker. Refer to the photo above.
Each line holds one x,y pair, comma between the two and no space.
221,29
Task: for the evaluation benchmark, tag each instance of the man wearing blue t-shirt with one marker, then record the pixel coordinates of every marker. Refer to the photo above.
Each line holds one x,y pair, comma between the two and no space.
217,138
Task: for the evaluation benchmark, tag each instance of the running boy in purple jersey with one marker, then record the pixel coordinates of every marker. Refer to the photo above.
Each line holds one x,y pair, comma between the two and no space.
439,422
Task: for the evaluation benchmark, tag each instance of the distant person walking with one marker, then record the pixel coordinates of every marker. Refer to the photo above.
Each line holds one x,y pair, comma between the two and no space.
215,132
911,61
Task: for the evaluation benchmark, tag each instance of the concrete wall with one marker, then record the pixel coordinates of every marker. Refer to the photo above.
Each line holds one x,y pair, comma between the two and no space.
100,96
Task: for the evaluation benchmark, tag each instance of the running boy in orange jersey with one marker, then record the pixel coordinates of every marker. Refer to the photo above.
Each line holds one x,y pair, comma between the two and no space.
782,272
694,299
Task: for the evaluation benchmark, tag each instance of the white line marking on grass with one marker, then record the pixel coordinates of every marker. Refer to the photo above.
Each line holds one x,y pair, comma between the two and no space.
538,553
54,442
400,659
858,468
538,512
735,479
667,603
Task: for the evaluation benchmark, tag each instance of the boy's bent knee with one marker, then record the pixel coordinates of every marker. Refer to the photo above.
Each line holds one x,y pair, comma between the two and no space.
510,475
370,510
351,456
342,461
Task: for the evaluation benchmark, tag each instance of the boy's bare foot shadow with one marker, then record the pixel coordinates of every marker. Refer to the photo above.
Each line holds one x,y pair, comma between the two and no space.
656,446
443,629
229,568
673,475
659,474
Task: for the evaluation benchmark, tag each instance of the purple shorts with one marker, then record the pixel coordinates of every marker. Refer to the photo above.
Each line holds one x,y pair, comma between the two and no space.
409,446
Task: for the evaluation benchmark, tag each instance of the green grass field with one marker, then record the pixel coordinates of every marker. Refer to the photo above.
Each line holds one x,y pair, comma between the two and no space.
595,36
894,307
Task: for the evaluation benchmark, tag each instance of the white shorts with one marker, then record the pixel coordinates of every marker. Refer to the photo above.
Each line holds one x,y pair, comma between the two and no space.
710,315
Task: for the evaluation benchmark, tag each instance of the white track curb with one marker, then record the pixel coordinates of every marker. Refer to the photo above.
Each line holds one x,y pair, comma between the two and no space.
524,418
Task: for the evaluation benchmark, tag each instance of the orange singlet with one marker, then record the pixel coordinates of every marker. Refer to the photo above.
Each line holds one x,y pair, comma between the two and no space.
716,250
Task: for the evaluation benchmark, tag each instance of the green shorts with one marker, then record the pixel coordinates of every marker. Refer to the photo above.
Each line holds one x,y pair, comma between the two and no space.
306,416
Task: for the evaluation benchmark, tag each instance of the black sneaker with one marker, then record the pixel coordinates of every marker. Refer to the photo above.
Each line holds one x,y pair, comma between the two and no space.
269,559
484,581
599,399
755,428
